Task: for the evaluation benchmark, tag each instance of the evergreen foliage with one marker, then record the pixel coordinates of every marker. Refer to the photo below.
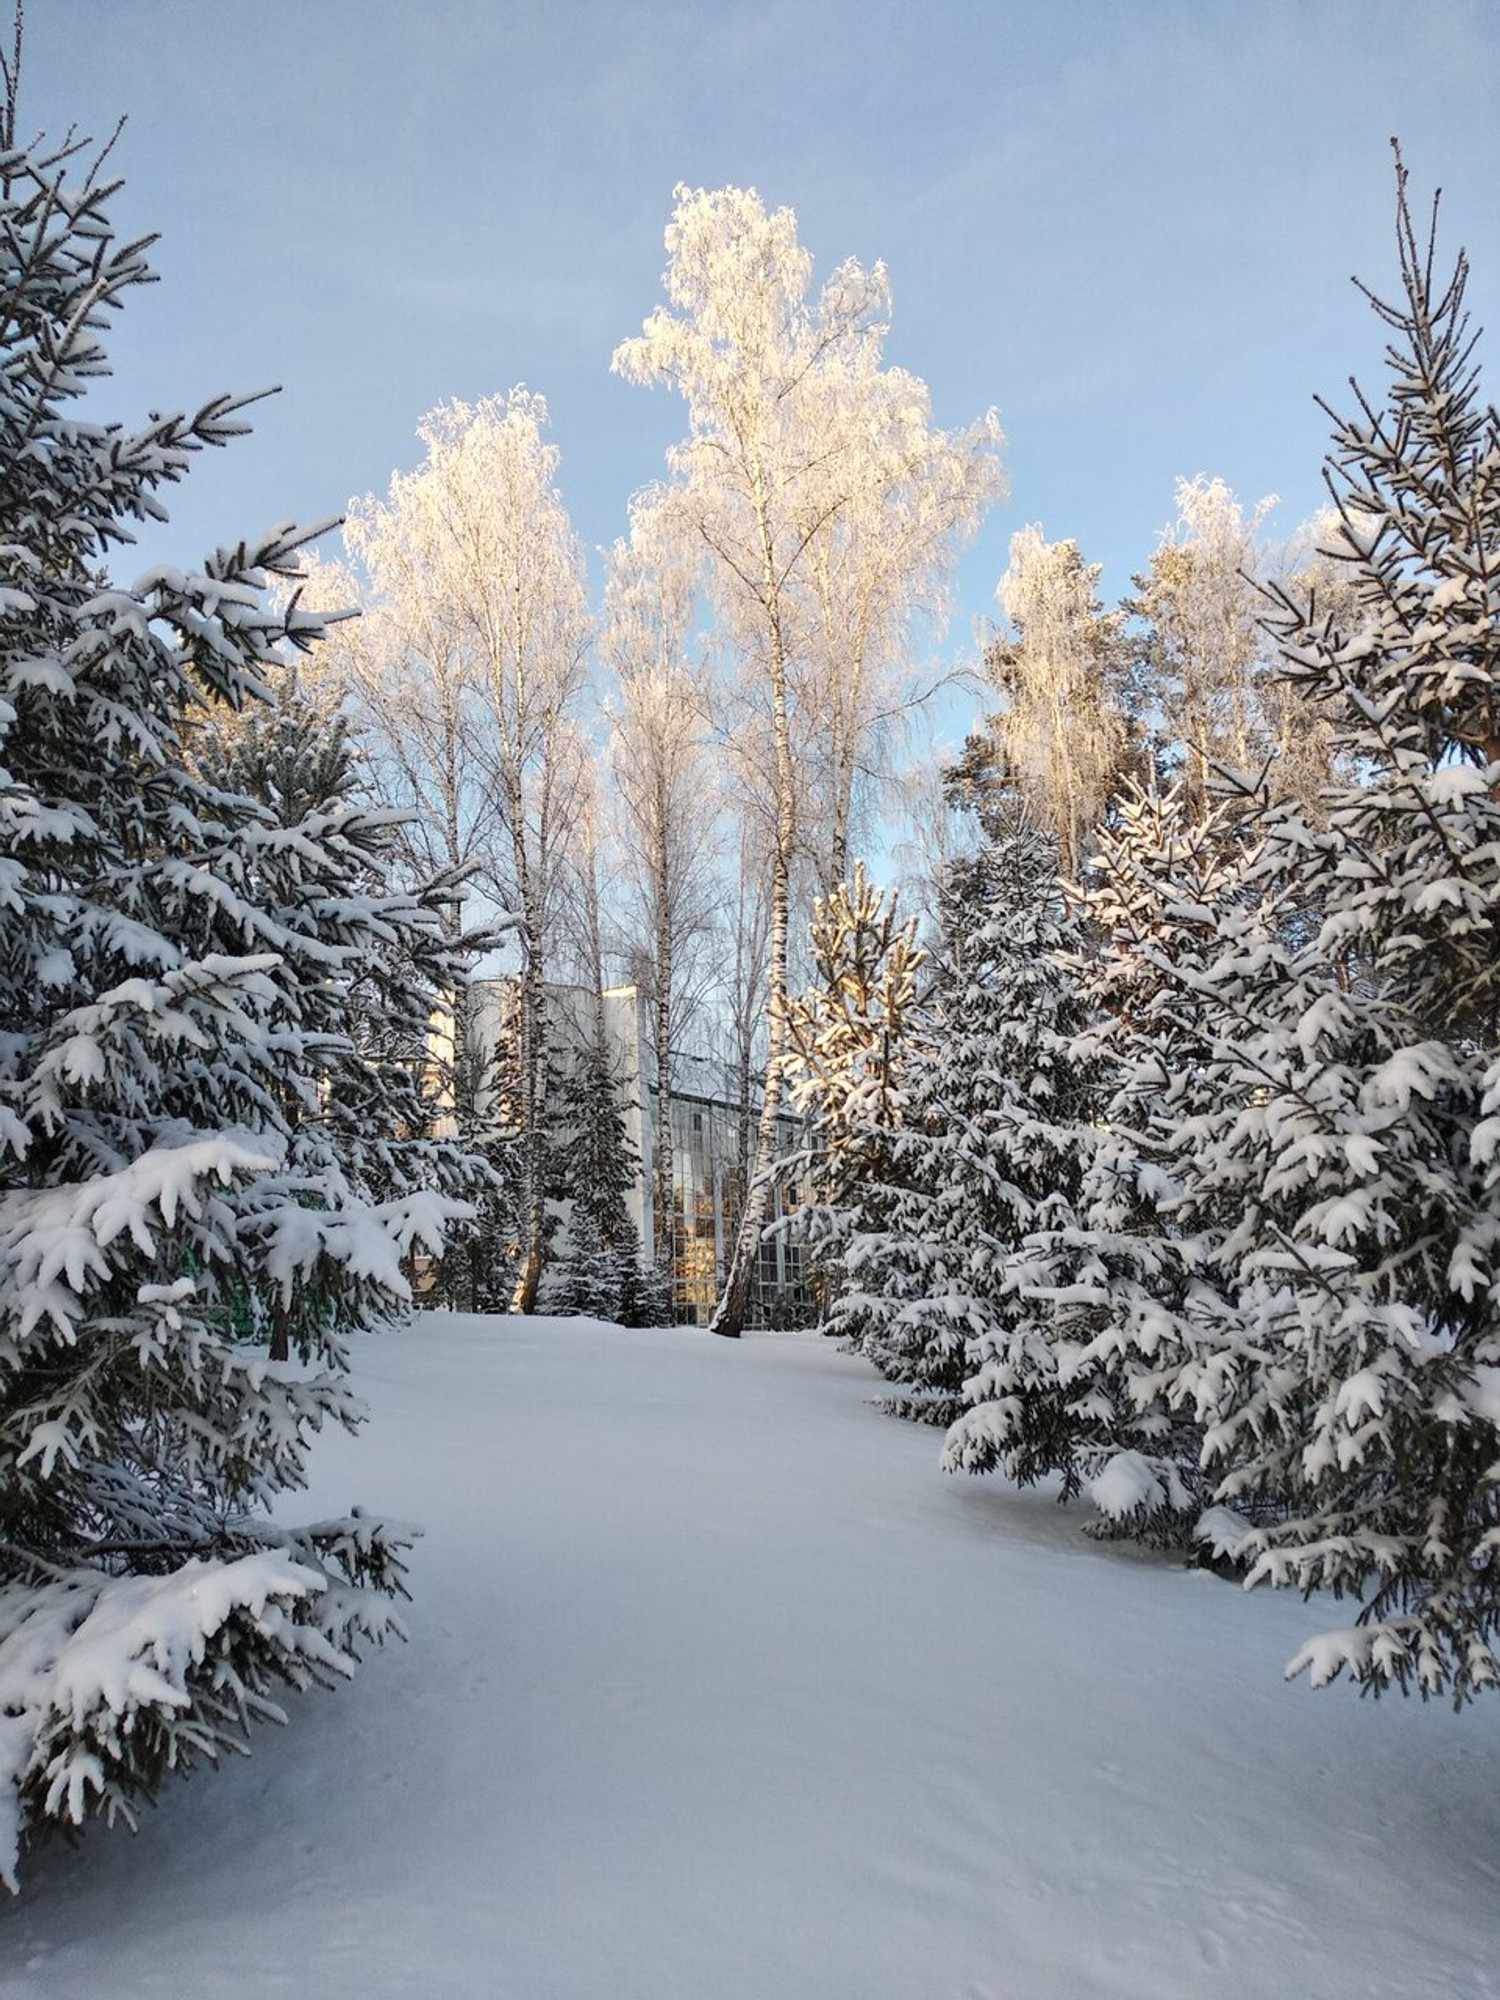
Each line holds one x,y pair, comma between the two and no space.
479,1272
1104,1274
1276,1293
988,1146
380,1088
601,1270
848,1038
1342,1348
195,1150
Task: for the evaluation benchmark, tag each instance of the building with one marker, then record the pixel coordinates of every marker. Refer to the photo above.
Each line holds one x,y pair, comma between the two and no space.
707,1123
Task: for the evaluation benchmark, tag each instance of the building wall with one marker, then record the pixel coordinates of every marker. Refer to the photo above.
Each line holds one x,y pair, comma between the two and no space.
705,1125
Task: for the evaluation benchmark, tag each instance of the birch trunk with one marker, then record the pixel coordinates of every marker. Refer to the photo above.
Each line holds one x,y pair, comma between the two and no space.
729,1314
661,1201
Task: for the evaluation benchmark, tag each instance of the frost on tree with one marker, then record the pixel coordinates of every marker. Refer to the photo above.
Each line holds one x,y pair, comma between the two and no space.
666,805
1202,648
822,507
179,965
1065,733
1346,1360
470,665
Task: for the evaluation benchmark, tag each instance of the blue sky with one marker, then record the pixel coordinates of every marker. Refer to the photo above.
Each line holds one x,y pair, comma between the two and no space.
1131,227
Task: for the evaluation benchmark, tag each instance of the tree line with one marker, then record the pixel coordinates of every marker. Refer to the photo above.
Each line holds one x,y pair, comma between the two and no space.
1168,1169
656,790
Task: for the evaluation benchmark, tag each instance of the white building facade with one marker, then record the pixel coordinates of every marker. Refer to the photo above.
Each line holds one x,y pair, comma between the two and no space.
707,1137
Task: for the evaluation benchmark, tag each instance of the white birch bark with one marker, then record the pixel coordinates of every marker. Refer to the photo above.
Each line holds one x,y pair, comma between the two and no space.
780,389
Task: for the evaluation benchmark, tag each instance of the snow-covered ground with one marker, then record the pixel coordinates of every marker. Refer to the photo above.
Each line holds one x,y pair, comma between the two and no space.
718,1688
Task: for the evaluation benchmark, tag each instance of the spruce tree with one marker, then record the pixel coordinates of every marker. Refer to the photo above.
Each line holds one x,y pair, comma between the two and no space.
479,1273
849,1040
1344,1356
988,1145
179,1095
1066,1390
376,1094
599,1270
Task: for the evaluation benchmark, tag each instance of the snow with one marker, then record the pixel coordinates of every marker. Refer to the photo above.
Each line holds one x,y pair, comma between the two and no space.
1221,1530
79,1664
1128,1484
56,1236
718,1687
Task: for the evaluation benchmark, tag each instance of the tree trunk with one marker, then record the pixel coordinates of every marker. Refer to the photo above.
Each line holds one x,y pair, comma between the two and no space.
534,1138
528,1276
837,870
729,1313
662,1214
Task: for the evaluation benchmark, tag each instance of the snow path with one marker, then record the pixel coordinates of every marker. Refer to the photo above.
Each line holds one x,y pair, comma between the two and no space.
719,1689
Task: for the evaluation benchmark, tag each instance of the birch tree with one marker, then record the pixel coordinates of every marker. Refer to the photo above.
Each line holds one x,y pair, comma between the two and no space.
1063,736
407,680
1305,750
745,932
880,568
473,670
1204,650
666,800
779,386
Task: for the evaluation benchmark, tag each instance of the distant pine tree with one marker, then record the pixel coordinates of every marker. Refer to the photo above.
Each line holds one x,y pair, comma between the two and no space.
479,1272
599,1268
643,1290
